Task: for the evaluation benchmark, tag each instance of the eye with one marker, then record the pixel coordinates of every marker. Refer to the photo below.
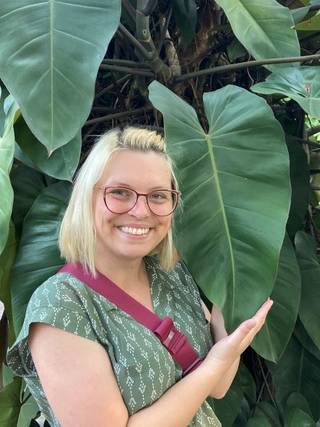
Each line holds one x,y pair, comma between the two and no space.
120,193
159,196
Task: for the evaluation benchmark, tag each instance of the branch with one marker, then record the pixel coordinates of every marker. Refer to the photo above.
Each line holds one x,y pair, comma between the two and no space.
137,71
144,37
165,29
124,62
119,115
305,141
112,85
231,67
135,42
313,131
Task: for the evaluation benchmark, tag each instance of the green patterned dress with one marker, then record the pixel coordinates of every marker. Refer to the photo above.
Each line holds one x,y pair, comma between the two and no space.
143,368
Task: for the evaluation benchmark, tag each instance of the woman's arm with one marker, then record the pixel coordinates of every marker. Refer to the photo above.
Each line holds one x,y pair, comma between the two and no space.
78,380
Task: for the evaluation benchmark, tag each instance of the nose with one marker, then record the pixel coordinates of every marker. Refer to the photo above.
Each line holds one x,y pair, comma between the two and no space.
141,208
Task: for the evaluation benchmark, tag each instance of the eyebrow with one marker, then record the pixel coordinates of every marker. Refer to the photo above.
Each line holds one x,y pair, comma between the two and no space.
122,184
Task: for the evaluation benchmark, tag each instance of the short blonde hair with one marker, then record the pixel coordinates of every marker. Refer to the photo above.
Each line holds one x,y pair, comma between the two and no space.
77,238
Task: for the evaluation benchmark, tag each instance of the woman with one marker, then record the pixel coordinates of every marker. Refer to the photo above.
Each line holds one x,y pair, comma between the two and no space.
86,361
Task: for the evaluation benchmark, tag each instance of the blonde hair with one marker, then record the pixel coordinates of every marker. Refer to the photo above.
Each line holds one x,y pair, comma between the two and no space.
77,236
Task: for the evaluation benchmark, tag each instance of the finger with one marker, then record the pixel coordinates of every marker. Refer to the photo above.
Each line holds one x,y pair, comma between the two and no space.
260,316
263,311
242,332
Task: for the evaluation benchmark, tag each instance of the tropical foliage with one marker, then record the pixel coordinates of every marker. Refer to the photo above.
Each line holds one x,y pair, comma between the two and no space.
235,87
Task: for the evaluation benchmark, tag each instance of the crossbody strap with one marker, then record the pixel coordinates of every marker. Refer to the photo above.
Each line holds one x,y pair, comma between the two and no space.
175,342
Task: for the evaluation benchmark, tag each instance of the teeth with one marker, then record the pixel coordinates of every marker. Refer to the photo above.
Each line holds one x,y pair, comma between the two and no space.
138,231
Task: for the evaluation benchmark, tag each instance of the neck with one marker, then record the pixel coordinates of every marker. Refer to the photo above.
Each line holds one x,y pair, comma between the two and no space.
125,273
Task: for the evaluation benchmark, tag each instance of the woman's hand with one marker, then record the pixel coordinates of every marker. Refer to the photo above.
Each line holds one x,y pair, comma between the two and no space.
229,347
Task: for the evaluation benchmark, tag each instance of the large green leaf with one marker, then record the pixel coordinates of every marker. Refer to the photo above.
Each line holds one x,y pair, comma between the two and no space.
297,400
29,411
61,164
311,24
267,410
38,255
10,404
6,159
300,182
247,383
295,417
310,292
227,408
276,333
185,13
258,421
236,194
299,13
300,84
263,27
50,55
305,340
12,412
27,183
297,371
6,260
243,415
2,115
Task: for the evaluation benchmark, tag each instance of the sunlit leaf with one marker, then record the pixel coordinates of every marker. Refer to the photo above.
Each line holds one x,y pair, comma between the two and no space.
300,84
230,234
263,27
6,159
45,55
311,24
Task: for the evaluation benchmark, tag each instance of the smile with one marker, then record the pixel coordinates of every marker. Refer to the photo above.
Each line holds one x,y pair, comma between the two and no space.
135,231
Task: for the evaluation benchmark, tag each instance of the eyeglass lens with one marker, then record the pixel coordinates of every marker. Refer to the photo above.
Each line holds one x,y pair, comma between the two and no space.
121,200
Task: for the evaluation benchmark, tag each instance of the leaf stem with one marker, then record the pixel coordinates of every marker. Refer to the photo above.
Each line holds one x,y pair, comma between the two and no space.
139,72
112,85
265,382
119,115
305,141
124,62
246,64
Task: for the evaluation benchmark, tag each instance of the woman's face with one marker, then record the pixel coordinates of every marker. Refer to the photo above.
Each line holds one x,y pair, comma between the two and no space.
134,234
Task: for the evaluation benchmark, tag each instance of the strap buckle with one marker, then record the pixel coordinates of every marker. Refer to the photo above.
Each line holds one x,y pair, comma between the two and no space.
178,345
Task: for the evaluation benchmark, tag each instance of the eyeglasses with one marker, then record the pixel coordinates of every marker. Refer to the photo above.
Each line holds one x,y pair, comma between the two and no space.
120,200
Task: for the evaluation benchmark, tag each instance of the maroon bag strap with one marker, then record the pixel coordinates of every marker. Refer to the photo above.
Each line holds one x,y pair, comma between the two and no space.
175,342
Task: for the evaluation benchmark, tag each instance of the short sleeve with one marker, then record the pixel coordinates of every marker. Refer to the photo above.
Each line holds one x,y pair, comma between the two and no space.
55,303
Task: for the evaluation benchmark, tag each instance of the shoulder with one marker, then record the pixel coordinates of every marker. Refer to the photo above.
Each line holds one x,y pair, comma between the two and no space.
62,290
60,302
